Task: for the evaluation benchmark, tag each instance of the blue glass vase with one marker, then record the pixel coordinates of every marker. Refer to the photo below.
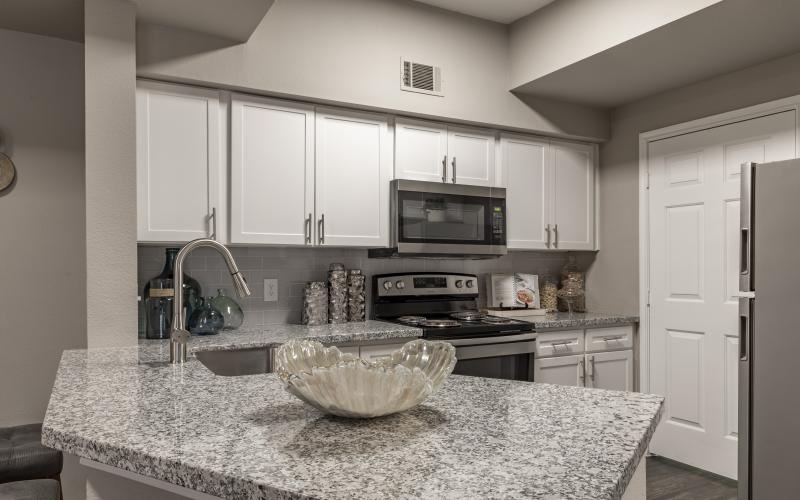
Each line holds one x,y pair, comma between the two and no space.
205,320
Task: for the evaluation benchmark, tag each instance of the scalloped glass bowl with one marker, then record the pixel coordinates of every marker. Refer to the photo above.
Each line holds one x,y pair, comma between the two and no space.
345,385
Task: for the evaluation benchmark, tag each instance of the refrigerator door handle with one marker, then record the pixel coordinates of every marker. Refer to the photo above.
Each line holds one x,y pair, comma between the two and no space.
745,327
746,234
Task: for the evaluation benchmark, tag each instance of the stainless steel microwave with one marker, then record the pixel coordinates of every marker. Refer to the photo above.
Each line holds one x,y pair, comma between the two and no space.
446,220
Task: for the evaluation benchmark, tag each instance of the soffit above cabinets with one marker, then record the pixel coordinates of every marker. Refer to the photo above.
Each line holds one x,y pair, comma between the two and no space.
56,18
235,20
501,11
725,37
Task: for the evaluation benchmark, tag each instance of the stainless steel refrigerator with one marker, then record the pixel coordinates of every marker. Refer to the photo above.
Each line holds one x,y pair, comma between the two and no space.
769,332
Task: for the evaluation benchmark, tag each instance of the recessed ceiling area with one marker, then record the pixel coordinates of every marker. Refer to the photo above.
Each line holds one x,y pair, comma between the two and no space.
501,11
725,37
57,18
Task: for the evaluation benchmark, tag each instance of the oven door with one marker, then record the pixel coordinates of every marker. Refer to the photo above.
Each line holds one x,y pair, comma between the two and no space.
509,357
433,218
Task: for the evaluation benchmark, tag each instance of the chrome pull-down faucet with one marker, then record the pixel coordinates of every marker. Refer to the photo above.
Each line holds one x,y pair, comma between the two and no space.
179,336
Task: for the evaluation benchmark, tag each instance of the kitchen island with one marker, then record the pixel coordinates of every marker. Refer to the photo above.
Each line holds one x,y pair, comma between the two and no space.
244,437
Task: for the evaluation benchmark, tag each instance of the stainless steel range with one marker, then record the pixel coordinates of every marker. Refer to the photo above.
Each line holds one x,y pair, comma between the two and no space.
445,307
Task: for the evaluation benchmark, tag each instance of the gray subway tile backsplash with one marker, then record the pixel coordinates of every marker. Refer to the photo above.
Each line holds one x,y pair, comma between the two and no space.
292,267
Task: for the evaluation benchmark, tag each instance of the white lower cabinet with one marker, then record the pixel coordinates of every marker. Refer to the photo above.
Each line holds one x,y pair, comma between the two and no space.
585,358
372,352
561,370
610,370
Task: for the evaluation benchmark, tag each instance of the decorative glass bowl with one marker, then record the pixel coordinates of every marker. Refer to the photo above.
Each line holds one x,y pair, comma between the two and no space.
344,385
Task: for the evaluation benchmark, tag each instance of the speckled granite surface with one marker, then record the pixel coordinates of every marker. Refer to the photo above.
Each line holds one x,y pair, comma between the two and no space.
247,438
278,334
579,320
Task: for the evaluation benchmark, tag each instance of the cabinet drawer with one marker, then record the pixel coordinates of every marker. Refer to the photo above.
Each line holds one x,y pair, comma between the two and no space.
606,339
376,352
559,343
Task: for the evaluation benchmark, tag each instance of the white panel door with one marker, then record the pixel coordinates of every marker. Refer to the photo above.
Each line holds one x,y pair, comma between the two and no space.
272,171
573,206
177,162
610,370
471,156
561,370
693,243
420,151
353,170
525,171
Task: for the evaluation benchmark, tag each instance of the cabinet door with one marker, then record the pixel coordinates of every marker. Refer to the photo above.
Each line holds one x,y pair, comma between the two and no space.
561,370
471,155
524,169
573,196
420,151
272,171
353,170
379,351
610,370
177,162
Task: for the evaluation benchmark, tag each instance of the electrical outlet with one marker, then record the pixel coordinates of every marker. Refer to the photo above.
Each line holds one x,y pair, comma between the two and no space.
270,290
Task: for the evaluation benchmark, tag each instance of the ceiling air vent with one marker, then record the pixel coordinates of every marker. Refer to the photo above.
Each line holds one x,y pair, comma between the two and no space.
418,77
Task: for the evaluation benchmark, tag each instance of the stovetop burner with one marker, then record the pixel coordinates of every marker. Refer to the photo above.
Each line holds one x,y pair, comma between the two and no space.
468,315
496,320
411,320
439,323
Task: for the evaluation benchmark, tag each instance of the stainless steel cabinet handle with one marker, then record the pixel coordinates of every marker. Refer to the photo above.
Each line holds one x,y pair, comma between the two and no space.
581,371
591,365
547,228
212,219
444,169
307,228
618,337
555,232
454,170
321,229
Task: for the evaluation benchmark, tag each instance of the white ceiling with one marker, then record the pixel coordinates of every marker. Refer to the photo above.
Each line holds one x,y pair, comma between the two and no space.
501,11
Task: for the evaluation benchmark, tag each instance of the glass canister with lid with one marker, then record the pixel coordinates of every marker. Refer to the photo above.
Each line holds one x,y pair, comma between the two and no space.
572,279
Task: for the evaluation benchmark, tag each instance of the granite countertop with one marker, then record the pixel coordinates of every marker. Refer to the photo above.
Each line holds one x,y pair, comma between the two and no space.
272,335
563,320
247,438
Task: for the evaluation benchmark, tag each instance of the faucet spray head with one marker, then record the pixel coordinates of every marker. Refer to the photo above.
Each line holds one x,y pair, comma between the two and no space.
240,284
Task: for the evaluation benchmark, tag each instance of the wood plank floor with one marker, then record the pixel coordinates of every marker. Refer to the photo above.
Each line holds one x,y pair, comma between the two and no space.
668,480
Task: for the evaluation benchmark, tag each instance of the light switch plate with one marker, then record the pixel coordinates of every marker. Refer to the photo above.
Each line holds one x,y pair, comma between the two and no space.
270,290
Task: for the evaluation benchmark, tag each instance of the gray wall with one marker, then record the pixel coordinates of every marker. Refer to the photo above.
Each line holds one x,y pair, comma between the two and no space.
42,264
348,52
615,272
295,266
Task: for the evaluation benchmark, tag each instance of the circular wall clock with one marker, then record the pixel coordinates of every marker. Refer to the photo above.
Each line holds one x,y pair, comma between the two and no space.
7,171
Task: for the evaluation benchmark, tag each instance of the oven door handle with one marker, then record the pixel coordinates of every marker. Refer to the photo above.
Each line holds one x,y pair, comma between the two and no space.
505,339
525,348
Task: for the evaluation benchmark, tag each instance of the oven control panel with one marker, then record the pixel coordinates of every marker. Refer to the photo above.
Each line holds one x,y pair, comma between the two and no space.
397,285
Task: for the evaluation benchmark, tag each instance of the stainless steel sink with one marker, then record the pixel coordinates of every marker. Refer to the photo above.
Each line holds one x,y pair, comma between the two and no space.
237,362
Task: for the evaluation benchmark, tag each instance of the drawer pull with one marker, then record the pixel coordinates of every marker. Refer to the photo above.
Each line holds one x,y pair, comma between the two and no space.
618,337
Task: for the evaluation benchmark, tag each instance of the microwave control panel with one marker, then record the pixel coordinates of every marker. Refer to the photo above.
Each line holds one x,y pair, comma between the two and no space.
498,222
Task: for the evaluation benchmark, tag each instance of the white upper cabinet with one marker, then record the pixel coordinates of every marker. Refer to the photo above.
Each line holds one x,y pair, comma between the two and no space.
526,173
549,194
272,171
353,170
471,154
180,181
573,205
420,150
434,152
